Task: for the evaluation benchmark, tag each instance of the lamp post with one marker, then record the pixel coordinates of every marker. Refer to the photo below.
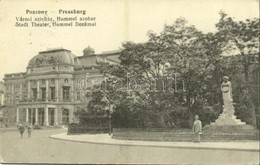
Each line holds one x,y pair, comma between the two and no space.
109,119
258,77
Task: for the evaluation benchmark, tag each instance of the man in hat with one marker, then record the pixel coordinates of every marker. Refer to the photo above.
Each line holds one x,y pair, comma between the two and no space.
197,129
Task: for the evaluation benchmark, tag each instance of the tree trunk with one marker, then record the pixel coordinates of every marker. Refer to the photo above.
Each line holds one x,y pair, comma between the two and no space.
191,119
188,103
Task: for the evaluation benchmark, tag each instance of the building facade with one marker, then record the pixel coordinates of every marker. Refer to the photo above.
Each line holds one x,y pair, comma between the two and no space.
2,102
2,92
51,89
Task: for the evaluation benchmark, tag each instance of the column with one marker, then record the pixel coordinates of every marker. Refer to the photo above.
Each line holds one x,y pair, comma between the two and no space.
61,93
31,110
17,115
55,116
46,116
13,95
47,90
27,115
21,91
57,89
38,89
72,90
36,116
29,90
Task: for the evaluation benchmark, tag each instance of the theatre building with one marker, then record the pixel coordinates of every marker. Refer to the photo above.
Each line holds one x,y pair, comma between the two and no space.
50,90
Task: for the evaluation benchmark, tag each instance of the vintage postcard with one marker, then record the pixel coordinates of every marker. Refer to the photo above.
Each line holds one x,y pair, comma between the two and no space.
129,82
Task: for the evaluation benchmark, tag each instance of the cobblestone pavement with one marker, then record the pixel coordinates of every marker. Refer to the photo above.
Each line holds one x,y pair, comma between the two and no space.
42,149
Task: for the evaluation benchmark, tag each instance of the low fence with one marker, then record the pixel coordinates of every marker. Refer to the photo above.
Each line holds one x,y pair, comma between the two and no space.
84,129
90,124
158,134
152,134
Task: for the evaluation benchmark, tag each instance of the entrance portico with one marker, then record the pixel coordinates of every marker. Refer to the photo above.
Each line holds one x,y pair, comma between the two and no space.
39,115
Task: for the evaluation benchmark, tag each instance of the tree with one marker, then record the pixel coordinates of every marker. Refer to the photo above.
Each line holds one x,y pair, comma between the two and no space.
142,80
147,92
190,55
195,57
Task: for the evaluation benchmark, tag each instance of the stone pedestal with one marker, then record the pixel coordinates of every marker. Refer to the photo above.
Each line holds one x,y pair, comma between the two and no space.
227,126
227,117
223,120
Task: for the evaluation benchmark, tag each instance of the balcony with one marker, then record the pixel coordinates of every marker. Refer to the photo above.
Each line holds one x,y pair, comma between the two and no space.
36,100
40,100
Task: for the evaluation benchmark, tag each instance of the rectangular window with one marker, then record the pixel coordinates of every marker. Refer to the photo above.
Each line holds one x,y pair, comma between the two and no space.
66,93
43,93
8,99
78,95
52,93
34,90
17,87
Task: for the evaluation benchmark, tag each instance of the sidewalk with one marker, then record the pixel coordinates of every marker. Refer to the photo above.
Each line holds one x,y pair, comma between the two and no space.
107,140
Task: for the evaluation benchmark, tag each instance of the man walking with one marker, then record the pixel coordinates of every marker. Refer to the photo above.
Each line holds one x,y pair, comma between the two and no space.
29,129
21,128
197,129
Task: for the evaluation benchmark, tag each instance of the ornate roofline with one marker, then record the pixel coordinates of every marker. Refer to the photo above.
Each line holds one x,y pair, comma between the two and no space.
54,50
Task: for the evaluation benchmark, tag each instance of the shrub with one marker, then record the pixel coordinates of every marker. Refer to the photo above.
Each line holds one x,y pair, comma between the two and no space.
243,113
36,126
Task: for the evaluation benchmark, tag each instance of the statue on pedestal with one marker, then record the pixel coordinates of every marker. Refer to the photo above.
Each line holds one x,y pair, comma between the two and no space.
227,125
226,89
227,117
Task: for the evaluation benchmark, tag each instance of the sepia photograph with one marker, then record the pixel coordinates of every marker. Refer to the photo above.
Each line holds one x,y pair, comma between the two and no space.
129,82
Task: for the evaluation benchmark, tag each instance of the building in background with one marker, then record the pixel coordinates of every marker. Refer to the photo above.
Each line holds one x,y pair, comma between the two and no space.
2,92
2,106
52,88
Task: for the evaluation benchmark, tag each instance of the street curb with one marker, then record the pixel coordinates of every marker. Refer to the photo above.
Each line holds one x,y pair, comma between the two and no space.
150,145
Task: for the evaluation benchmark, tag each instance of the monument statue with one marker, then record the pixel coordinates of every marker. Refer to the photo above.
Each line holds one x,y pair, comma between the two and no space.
226,89
227,117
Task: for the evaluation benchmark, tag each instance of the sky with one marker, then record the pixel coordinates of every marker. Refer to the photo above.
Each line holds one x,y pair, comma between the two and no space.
117,21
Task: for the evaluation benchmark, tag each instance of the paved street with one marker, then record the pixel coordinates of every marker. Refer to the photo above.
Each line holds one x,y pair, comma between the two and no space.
41,148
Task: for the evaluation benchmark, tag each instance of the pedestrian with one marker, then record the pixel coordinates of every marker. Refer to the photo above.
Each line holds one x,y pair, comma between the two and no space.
21,128
29,130
197,129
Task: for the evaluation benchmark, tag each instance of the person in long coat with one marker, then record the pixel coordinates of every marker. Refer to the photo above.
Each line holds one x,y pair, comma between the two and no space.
197,129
